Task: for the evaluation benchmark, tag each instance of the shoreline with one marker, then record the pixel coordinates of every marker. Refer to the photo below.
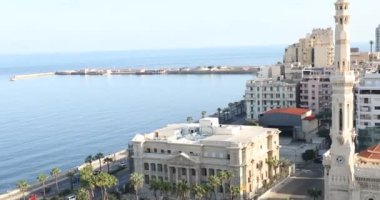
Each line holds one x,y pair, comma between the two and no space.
142,71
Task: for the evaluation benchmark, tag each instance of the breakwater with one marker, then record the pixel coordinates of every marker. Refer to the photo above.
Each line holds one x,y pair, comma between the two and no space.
143,71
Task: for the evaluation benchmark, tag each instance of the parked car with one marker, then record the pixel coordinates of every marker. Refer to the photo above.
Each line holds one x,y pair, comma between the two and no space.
72,197
123,164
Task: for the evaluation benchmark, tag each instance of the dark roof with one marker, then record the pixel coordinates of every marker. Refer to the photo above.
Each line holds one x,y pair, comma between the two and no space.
290,111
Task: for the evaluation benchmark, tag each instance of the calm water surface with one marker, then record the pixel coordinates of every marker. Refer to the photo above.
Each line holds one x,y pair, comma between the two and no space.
57,121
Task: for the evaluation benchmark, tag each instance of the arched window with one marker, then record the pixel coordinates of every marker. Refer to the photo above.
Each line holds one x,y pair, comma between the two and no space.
341,20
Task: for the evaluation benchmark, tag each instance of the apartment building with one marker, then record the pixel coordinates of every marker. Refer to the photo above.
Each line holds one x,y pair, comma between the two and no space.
315,89
262,95
316,49
368,111
193,151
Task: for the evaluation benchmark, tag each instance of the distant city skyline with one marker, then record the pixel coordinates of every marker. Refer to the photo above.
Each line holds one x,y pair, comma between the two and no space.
43,26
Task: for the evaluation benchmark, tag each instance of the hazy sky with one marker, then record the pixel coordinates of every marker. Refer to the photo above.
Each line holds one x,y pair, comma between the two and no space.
34,26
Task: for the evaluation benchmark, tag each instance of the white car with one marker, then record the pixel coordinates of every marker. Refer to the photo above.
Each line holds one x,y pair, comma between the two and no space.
72,197
122,164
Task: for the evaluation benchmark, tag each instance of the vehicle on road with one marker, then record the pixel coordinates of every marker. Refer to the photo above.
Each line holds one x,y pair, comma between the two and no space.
123,164
72,197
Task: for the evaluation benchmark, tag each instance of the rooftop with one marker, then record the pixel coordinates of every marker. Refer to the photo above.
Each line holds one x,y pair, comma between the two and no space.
372,153
289,111
207,131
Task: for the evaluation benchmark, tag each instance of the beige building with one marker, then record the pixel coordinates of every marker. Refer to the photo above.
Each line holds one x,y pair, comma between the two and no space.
316,49
192,152
315,90
262,95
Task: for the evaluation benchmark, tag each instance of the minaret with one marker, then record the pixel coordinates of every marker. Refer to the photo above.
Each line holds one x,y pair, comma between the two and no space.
339,162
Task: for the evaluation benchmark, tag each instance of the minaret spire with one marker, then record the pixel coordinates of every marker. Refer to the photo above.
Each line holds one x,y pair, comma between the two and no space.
339,162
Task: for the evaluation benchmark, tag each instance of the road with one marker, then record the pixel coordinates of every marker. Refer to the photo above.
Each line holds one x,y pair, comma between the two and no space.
296,187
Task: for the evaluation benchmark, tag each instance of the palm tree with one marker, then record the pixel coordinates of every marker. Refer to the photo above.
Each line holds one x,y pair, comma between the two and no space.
204,114
273,163
214,182
224,177
284,165
55,173
87,179
189,119
165,188
137,181
199,191
23,186
105,181
82,194
235,191
99,157
108,160
42,178
89,159
71,175
182,190
314,193
155,186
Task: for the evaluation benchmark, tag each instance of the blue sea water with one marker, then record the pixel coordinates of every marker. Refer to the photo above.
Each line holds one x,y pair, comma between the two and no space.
57,121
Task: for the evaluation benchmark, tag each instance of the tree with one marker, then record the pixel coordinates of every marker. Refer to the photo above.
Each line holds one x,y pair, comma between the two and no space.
223,177
219,111
273,163
165,188
235,191
71,175
284,165
42,178
99,157
315,193
23,186
308,155
105,181
155,186
137,181
108,160
87,179
182,190
89,159
371,44
55,173
199,191
82,194
214,182
204,113
189,119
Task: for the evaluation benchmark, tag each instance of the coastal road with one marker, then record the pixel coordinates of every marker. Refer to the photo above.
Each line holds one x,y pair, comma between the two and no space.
296,187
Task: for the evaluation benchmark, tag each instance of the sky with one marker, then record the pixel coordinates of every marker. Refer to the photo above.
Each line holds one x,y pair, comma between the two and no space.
55,26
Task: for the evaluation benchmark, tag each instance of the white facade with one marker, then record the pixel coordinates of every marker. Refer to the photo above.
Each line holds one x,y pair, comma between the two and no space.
316,49
192,152
262,95
273,71
345,178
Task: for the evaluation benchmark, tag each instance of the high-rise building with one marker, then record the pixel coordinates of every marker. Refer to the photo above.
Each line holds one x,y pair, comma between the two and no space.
315,89
368,111
192,152
347,176
378,39
262,95
316,49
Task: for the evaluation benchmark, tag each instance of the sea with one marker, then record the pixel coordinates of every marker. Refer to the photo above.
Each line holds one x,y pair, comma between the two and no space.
57,121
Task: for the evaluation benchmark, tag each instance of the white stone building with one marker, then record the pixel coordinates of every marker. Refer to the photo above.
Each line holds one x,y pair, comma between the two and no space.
315,89
316,49
262,95
368,109
348,176
192,152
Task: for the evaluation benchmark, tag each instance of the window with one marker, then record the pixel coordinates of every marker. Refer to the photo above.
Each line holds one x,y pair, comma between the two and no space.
146,166
193,172
228,156
169,151
172,169
146,179
148,150
204,171
183,171
162,151
366,100
377,107
159,167
155,150
153,166
211,172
